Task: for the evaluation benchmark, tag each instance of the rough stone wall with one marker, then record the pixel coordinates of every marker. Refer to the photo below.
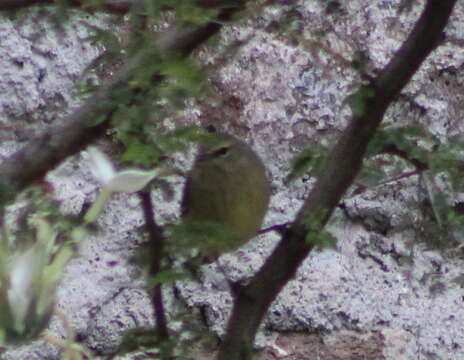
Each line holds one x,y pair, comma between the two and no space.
359,299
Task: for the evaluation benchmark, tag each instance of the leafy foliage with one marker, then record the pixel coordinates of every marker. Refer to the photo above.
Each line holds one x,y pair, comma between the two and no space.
394,150
449,158
315,234
31,264
357,100
38,202
310,160
140,124
208,237
405,138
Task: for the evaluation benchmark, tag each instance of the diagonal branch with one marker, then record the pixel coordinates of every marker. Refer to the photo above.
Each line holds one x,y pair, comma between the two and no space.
342,166
112,6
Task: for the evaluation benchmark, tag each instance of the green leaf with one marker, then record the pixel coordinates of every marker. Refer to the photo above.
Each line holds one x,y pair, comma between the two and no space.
449,158
321,239
138,339
183,79
140,153
179,139
405,138
371,173
315,235
209,237
165,277
310,160
358,101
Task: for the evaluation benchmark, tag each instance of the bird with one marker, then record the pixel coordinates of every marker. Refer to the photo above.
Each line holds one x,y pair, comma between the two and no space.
226,196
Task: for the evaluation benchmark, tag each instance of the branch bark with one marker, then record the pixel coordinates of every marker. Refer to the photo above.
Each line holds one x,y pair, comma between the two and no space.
112,6
343,164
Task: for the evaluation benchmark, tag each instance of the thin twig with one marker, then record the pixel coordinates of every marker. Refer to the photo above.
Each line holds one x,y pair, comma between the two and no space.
156,245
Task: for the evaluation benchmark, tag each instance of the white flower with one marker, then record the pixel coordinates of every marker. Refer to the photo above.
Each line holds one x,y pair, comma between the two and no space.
25,271
128,181
28,281
123,181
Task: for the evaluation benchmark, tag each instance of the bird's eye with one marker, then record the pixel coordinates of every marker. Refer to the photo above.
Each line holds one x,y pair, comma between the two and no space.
222,151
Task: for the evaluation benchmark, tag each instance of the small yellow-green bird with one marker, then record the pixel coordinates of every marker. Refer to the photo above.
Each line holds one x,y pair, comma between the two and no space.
226,195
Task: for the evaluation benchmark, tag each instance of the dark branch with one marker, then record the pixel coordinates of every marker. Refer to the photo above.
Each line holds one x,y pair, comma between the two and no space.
394,150
156,245
112,6
342,166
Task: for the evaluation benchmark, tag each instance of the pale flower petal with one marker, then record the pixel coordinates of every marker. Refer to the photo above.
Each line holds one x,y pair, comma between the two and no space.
25,270
131,180
101,166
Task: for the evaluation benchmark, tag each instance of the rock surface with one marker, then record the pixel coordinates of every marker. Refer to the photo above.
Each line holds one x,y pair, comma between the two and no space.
359,300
